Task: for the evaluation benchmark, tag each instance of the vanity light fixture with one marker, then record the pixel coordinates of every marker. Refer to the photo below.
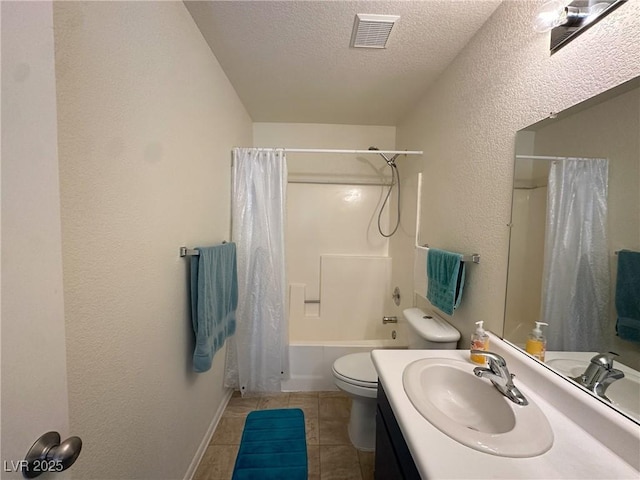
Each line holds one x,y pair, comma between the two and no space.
568,21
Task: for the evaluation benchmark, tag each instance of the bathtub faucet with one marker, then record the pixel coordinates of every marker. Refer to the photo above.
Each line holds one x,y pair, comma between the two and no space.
386,320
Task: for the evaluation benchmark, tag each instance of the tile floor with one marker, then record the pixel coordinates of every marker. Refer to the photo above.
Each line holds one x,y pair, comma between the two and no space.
331,455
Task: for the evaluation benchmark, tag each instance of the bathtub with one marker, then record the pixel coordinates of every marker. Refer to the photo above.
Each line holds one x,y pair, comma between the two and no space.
310,362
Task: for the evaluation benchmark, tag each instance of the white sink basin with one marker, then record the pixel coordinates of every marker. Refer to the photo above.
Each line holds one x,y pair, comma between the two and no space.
624,393
473,412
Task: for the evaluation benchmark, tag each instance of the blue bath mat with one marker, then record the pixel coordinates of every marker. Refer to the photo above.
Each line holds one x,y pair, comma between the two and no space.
273,446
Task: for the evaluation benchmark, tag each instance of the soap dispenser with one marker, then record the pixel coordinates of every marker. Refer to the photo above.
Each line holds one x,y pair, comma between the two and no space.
479,341
536,342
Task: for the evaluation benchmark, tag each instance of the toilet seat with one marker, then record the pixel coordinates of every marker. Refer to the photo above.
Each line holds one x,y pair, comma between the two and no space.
356,369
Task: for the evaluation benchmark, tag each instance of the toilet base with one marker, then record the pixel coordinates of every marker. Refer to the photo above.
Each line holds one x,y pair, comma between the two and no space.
362,423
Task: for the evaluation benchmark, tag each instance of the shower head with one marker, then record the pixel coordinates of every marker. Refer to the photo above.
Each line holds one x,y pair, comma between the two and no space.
391,162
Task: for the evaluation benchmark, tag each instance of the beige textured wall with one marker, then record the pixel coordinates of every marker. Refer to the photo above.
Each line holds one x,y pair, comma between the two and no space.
504,80
147,119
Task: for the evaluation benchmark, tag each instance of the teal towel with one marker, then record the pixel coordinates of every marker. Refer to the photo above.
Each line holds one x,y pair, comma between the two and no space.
214,298
445,274
273,446
628,295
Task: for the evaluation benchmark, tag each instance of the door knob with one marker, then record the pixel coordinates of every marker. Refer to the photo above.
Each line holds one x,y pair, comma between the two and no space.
48,454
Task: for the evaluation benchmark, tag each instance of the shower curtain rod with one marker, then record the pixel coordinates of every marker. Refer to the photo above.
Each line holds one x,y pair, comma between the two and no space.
325,150
543,157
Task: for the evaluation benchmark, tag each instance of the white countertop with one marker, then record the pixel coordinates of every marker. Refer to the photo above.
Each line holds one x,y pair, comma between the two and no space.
574,454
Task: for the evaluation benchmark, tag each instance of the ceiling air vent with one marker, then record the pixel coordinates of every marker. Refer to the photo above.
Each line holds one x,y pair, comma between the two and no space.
372,31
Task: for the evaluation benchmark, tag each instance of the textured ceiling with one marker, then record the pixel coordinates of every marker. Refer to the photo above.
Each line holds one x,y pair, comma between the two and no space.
290,61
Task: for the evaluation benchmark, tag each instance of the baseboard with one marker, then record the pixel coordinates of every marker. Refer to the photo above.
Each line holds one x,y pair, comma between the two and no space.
191,471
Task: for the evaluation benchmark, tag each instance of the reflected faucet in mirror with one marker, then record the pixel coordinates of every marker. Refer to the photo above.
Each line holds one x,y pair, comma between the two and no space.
600,374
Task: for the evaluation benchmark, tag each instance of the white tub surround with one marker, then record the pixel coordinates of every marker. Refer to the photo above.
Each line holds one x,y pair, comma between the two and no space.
311,361
591,440
328,310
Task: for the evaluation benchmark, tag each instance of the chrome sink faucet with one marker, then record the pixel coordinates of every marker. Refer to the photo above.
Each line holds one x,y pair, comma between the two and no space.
499,376
600,374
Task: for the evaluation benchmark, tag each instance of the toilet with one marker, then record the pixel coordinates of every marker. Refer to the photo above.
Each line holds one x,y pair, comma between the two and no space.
355,374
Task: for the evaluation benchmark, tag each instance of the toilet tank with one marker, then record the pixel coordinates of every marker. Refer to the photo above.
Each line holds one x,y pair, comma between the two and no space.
429,332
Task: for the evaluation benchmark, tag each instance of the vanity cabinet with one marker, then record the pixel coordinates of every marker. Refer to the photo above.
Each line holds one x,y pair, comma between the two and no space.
393,460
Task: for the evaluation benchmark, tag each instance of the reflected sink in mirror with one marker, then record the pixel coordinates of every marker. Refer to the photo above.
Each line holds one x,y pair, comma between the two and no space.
473,412
624,393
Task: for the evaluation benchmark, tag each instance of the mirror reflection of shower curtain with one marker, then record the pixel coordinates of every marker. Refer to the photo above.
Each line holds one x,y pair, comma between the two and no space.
257,355
575,297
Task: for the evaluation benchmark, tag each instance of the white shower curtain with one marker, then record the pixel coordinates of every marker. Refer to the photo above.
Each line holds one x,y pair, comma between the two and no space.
575,298
257,355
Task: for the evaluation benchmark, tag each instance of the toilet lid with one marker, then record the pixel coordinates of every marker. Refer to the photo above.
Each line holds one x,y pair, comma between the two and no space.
357,367
430,326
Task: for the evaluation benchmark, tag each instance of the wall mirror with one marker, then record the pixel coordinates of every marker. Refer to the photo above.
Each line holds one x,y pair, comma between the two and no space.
576,205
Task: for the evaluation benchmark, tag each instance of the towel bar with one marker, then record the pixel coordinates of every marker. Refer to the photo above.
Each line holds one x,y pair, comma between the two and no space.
471,257
184,251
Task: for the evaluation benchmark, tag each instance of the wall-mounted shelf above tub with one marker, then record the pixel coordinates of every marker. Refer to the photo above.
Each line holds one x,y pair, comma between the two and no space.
339,179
